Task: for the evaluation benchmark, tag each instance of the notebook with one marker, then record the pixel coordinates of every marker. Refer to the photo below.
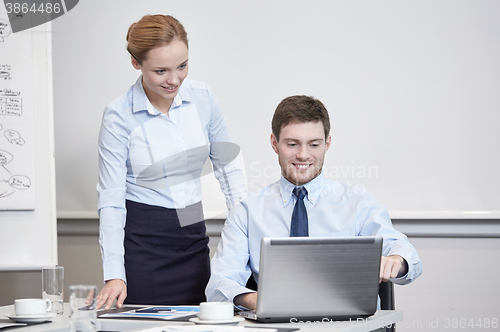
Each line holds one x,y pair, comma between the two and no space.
317,278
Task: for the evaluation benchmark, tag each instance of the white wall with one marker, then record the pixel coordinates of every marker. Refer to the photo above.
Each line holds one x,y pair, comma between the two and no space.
459,283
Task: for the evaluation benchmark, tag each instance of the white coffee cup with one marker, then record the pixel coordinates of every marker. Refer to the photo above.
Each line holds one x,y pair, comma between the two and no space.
32,307
216,311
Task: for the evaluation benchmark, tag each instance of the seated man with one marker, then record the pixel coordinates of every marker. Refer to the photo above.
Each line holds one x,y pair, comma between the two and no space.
300,137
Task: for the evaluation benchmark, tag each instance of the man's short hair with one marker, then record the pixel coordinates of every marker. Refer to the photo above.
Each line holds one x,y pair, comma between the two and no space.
299,109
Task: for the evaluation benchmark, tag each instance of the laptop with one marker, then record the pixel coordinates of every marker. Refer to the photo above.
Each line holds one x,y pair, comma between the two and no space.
317,278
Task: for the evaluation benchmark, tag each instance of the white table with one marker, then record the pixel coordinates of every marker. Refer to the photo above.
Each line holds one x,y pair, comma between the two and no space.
60,323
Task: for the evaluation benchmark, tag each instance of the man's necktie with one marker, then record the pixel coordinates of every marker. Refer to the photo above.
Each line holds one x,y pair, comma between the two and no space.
299,216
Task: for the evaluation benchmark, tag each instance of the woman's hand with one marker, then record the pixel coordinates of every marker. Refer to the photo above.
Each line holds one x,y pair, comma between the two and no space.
115,289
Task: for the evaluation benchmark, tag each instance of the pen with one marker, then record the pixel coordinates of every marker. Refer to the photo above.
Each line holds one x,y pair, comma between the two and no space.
155,311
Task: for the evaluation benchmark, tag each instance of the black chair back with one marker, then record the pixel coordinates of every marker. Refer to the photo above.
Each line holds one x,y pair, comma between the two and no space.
386,294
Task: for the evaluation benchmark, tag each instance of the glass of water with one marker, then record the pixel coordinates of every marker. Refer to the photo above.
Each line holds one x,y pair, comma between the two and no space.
83,315
52,287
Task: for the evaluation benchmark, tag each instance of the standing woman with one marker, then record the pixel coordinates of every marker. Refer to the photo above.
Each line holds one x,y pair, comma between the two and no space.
153,143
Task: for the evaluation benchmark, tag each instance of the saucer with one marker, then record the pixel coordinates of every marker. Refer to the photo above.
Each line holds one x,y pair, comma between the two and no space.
31,318
233,321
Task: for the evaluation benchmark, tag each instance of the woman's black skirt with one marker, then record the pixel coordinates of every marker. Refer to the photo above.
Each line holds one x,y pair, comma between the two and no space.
165,263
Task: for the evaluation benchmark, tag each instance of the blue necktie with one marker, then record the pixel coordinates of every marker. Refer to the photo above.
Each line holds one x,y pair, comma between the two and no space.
299,216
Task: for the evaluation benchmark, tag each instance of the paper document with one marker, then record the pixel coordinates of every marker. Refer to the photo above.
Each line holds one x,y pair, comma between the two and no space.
9,324
166,313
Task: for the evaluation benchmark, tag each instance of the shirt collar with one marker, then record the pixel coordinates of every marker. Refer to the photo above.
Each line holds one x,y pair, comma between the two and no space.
183,95
142,103
313,188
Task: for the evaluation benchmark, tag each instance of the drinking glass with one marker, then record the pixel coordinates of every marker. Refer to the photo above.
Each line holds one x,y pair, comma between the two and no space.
83,315
52,287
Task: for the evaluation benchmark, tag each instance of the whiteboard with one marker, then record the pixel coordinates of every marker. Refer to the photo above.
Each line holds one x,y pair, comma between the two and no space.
28,233
411,87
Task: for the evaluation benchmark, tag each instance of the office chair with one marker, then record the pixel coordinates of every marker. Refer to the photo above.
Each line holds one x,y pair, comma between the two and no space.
251,284
385,292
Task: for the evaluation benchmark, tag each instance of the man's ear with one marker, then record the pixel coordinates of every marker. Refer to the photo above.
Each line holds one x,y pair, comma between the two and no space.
328,142
135,63
274,143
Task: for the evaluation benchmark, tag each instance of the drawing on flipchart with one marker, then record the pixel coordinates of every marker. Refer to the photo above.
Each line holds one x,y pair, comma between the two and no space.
11,103
5,30
5,72
14,181
13,137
